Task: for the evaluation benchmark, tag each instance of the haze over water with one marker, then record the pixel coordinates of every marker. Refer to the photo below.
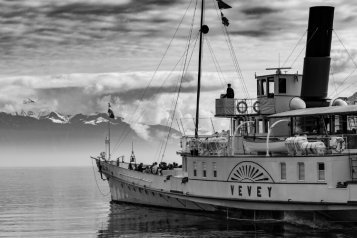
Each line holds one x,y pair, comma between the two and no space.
65,202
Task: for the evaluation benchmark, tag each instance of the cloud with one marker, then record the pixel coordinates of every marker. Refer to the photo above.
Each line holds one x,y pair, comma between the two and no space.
341,60
141,130
259,11
252,33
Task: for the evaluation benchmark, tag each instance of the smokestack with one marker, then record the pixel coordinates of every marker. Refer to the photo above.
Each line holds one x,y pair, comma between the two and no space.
317,58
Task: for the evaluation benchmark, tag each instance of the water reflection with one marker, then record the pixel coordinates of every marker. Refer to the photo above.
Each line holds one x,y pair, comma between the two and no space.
142,221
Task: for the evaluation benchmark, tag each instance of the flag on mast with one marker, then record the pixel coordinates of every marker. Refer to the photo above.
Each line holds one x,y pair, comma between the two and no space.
223,5
110,112
225,21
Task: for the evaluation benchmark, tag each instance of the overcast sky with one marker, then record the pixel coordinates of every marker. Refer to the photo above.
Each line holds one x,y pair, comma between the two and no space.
74,56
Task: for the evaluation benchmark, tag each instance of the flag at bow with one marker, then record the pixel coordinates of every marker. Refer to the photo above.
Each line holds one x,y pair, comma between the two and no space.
110,112
225,21
223,5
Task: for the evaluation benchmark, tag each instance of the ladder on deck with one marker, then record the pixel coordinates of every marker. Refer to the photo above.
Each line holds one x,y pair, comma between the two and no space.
353,167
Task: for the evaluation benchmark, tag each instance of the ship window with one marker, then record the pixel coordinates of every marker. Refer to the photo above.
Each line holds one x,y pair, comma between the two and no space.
214,169
204,169
258,87
194,169
264,87
309,125
260,126
270,88
282,85
340,124
266,125
321,168
301,171
282,171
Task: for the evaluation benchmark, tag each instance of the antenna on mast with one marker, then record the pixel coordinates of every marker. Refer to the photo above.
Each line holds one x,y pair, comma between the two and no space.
109,130
132,157
278,70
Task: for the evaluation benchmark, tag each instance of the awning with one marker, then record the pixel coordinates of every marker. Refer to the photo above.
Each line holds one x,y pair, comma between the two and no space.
318,111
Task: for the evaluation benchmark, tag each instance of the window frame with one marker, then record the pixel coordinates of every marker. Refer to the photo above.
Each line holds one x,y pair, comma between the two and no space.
204,170
270,87
280,85
194,169
298,171
214,168
318,171
281,171
263,91
259,86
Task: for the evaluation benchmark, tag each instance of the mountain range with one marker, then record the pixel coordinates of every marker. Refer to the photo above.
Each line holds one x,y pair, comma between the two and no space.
49,137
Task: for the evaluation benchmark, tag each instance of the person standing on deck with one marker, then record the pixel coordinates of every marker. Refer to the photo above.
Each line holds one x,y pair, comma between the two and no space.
230,92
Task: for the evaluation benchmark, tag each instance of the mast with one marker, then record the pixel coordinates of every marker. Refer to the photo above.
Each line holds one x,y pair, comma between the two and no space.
199,71
109,131
109,138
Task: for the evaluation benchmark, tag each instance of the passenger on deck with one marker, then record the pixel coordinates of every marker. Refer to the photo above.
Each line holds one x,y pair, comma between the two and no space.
140,167
230,92
164,166
159,170
147,170
130,167
154,168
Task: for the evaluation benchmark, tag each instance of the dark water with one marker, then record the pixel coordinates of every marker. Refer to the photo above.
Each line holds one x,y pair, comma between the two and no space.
65,202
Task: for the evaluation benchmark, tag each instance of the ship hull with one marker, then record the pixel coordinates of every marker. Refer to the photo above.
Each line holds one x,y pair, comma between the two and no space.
124,190
243,184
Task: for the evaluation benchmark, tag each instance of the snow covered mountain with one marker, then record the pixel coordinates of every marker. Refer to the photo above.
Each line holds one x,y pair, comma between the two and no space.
49,138
59,118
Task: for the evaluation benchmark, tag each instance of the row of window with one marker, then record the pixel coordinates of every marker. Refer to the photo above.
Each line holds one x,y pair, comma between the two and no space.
300,167
264,88
204,169
301,171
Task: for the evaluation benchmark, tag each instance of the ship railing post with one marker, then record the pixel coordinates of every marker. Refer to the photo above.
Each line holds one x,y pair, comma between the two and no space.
267,154
235,133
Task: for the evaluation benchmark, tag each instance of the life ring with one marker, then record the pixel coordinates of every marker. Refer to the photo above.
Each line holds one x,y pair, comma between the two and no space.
242,107
341,146
256,106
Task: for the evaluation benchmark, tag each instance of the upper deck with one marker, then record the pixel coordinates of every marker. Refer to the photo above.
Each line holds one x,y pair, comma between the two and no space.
274,95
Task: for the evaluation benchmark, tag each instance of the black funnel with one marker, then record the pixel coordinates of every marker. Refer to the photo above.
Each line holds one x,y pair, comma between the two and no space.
317,59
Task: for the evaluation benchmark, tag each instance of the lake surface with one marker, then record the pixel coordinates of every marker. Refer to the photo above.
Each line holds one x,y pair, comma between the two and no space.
65,202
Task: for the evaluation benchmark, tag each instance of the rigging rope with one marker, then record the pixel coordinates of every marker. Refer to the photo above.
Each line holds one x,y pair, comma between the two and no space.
104,195
153,97
232,52
162,141
304,47
342,83
153,75
334,83
294,49
349,74
239,71
188,45
345,48
178,94
184,71
215,61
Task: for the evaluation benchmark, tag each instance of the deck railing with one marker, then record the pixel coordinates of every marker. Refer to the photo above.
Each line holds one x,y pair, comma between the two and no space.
224,145
235,106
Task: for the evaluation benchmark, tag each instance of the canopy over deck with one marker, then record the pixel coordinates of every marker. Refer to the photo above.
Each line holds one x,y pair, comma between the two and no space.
318,111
